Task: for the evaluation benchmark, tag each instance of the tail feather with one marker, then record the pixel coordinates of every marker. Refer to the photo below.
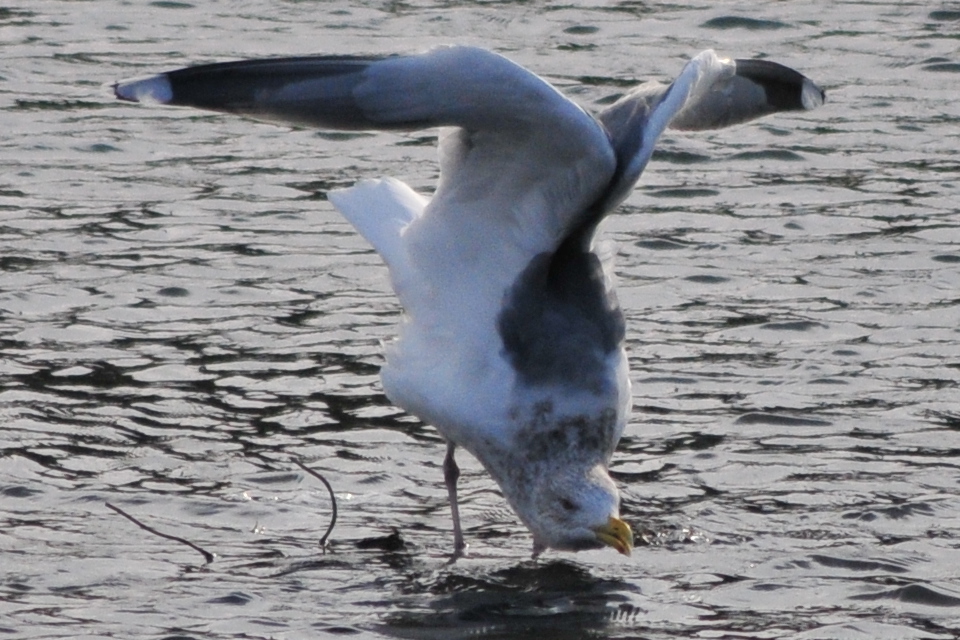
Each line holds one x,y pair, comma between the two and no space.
380,210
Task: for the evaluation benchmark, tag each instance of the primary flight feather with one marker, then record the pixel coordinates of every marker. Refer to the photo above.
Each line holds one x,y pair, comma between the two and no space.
511,342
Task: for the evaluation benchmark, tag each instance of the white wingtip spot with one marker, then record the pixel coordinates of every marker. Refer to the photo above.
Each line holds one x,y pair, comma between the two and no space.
152,89
811,96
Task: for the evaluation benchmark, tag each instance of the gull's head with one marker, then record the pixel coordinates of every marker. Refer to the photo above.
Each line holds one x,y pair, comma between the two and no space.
575,510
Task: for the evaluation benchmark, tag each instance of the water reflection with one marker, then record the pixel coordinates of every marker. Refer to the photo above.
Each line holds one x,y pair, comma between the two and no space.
557,599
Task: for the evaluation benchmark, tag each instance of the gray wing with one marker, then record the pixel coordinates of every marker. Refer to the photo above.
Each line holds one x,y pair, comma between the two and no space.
526,159
311,91
709,93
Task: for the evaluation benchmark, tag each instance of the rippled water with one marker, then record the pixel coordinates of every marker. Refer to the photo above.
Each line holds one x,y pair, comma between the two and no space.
183,315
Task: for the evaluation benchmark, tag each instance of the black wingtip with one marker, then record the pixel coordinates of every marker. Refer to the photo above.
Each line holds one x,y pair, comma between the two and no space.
119,95
785,88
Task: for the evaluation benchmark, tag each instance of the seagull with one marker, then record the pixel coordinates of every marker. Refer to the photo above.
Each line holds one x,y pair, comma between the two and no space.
511,342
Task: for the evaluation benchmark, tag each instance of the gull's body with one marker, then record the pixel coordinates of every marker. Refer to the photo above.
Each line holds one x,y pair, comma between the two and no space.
512,339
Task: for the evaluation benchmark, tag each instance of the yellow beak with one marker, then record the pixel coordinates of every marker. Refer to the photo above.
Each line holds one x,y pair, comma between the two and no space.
617,534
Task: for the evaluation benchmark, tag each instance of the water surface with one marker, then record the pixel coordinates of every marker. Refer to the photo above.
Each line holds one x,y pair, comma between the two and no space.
183,315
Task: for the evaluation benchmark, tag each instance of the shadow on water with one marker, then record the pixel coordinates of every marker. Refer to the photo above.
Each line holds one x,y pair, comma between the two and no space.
556,599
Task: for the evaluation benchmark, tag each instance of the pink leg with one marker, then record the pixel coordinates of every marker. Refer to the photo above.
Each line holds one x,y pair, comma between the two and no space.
451,473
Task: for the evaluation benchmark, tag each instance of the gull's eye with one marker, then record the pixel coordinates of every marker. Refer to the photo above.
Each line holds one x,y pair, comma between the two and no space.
567,505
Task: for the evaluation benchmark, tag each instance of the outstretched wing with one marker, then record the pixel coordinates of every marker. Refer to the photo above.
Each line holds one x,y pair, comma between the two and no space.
524,160
709,93
519,166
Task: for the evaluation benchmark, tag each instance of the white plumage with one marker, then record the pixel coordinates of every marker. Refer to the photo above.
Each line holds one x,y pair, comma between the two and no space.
512,339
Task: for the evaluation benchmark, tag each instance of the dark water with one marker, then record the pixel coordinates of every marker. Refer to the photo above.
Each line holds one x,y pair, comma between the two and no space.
183,315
